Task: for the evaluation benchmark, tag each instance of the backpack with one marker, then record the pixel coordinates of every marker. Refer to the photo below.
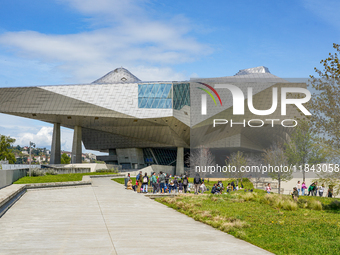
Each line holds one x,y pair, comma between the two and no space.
161,178
137,177
145,179
185,181
197,179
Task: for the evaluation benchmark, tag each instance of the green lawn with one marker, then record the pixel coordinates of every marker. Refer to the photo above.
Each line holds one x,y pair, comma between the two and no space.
57,178
272,222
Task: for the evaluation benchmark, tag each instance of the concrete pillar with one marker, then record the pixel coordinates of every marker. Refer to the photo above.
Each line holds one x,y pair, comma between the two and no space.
55,147
180,161
76,146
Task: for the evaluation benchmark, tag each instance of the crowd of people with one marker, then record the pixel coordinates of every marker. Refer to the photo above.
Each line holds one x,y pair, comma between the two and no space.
301,190
165,183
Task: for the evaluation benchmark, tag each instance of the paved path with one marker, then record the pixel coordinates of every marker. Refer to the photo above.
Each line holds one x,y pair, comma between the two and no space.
107,219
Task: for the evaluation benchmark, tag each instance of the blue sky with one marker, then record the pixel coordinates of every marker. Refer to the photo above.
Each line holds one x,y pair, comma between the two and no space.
51,42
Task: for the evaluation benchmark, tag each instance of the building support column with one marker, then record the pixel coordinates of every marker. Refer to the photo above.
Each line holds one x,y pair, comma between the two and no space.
180,161
55,147
76,146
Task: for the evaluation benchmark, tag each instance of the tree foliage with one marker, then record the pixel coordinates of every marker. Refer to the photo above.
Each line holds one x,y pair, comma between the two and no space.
325,102
65,159
304,147
275,157
5,151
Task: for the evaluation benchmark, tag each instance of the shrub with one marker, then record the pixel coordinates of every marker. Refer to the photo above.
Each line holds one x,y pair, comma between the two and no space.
248,197
302,203
51,172
36,172
112,170
334,205
314,205
289,205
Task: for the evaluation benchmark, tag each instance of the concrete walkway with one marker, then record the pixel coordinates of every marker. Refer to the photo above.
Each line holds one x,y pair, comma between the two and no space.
107,219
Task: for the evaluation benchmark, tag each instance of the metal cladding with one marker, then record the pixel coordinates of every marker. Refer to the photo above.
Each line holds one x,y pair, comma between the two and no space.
120,111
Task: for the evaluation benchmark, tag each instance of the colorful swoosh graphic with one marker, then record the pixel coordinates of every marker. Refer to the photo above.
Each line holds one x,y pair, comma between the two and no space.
209,94
213,90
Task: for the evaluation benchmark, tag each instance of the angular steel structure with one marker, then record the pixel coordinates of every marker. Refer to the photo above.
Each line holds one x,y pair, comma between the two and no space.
138,123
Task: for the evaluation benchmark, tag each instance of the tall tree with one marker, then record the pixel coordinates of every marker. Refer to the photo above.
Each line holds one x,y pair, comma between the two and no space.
5,151
303,147
325,102
275,157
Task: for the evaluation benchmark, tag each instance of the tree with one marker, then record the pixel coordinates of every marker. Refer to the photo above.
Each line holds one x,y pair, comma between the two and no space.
237,159
275,158
256,161
65,159
331,179
5,151
303,148
201,157
325,102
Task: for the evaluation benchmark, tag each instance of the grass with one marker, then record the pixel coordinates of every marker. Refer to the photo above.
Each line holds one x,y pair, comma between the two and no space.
275,223
56,178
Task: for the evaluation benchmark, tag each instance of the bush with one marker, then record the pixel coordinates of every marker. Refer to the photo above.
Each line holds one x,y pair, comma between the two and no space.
314,205
51,172
36,172
112,170
334,205
248,197
290,205
302,203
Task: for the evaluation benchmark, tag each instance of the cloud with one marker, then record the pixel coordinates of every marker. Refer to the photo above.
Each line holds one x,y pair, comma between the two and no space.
130,39
42,138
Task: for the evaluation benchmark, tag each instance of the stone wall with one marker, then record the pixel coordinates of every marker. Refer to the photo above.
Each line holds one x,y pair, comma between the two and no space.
7,177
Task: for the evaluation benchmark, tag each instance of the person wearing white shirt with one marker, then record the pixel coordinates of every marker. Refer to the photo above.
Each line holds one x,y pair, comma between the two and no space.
321,189
298,186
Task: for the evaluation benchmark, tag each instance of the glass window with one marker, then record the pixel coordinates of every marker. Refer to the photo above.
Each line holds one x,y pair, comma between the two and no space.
155,96
155,103
141,90
181,95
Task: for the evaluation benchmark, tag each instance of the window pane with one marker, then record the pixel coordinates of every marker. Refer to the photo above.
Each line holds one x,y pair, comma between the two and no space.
168,104
155,103
142,102
149,103
160,91
161,103
141,90
148,90
154,90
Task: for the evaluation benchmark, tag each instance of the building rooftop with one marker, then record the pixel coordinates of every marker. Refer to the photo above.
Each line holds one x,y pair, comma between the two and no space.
119,75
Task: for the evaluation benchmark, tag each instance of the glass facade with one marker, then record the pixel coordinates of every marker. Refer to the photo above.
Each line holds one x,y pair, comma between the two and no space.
163,156
155,95
181,95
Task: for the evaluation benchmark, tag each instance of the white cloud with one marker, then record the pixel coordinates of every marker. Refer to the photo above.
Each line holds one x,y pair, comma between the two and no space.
42,138
130,39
